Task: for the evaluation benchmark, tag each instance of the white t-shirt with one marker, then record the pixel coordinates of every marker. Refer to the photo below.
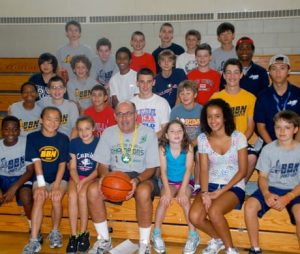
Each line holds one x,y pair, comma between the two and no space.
152,112
187,62
222,168
123,86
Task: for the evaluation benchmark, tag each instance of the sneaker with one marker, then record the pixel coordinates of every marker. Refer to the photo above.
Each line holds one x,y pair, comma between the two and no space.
145,248
32,247
253,251
158,243
39,237
214,246
83,242
101,246
55,239
191,245
232,251
72,245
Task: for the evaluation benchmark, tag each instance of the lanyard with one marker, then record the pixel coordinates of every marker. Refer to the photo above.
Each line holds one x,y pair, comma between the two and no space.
278,104
127,158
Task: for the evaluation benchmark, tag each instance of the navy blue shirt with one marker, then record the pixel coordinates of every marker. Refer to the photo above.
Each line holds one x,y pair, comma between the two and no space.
254,81
268,103
167,87
51,151
84,155
177,49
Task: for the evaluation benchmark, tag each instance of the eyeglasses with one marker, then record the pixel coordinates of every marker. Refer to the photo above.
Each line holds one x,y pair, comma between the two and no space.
57,87
126,114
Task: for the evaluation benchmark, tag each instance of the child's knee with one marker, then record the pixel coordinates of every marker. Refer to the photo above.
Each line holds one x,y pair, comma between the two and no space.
252,206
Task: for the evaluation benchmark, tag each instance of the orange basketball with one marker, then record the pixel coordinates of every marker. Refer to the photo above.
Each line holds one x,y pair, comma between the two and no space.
115,186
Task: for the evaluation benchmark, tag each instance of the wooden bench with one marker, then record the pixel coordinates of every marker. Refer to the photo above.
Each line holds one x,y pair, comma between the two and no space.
276,232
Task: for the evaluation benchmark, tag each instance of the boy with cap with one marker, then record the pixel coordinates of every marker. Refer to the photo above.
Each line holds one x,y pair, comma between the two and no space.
255,78
281,95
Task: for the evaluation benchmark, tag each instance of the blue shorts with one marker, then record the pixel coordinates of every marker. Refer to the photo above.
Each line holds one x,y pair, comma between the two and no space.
240,193
264,207
7,181
251,150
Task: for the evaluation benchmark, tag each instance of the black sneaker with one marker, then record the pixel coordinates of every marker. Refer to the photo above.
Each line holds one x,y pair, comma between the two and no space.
252,251
72,245
83,242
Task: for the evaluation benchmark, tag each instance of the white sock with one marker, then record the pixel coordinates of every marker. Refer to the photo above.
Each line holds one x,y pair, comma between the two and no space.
102,230
145,234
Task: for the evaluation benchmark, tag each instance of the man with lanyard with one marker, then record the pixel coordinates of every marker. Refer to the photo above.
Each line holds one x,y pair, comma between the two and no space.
281,95
133,149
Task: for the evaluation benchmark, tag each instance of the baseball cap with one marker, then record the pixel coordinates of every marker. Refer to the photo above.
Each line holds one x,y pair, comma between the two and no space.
244,40
279,58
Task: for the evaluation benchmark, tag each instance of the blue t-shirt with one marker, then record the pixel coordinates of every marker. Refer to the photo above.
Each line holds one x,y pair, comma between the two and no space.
167,87
51,151
84,155
175,166
254,81
177,50
268,103
189,117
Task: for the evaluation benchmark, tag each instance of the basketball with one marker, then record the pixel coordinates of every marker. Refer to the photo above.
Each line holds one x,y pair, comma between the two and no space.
116,186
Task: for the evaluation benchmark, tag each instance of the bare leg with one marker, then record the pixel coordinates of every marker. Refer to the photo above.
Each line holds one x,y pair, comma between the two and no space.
73,207
37,212
220,206
251,166
198,217
252,206
57,208
25,195
296,212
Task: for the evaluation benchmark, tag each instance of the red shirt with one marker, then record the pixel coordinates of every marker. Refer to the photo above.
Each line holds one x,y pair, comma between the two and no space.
207,83
103,119
144,61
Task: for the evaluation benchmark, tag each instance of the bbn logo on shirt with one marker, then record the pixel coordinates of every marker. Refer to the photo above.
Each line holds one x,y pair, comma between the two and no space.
49,153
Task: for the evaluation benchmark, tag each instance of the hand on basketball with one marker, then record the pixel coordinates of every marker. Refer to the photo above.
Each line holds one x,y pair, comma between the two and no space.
100,189
131,193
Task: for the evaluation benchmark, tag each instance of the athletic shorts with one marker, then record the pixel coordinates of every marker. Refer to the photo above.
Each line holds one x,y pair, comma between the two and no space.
7,181
153,180
63,184
264,207
178,184
240,193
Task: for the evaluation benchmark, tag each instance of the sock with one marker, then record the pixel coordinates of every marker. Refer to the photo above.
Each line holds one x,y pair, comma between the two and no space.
145,234
193,233
256,248
156,231
102,230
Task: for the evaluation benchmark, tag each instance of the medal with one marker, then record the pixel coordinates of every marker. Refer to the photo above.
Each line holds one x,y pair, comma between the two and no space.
127,157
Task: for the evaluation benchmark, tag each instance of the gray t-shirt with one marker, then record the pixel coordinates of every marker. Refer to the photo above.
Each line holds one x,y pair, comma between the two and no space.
219,57
12,158
189,117
69,112
145,153
64,56
80,91
103,71
29,119
281,165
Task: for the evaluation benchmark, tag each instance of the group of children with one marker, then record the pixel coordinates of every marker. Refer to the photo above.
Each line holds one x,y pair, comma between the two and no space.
207,138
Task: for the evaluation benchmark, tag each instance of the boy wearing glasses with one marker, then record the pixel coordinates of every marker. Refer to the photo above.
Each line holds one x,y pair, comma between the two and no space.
69,110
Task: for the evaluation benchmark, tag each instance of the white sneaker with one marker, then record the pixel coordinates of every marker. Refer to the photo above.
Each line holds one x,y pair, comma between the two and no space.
158,243
101,246
145,248
191,245
214,246
231,251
